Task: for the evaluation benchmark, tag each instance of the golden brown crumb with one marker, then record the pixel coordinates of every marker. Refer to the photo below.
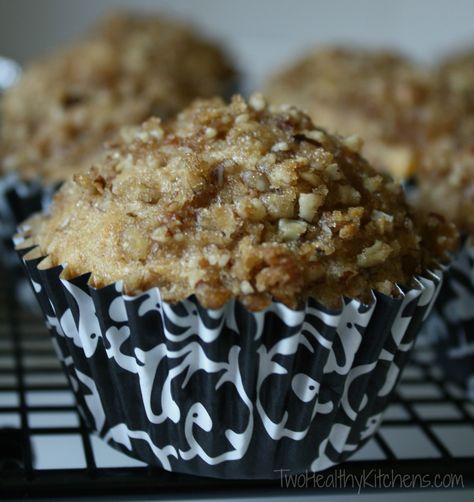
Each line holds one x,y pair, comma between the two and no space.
457,70
68,104
445,178
445,175
446,172
390,102
267,207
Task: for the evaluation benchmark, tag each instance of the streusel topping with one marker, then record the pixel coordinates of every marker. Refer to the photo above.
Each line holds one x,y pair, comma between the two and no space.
131,67
446,170
457,71
445,178
393,104
239,200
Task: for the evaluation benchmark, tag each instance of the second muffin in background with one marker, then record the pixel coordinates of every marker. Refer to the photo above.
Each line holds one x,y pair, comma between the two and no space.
393,104
66,105
55,121
445,183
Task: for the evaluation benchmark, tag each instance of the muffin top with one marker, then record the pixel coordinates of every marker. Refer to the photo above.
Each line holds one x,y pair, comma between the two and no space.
393,104
445,179
238,200
131,67
457,70
446,169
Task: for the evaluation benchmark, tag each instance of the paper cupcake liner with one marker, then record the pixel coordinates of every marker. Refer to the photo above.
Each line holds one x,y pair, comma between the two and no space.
230,393
450,328
19,199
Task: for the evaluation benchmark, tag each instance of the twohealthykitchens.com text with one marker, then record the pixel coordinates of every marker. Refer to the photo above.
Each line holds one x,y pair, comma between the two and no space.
340,479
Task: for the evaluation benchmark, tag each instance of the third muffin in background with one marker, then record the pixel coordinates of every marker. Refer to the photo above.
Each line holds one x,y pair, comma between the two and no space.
393,104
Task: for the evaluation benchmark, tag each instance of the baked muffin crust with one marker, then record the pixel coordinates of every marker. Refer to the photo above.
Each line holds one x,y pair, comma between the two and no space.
131,67
446,171
238,200
457,71
445,178
389,101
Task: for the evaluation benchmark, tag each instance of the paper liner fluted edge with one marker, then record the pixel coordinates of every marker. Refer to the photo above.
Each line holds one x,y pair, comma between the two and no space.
19,199
450,327
229,393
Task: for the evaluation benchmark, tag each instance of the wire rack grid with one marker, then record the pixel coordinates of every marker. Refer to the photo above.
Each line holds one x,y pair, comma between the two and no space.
47,450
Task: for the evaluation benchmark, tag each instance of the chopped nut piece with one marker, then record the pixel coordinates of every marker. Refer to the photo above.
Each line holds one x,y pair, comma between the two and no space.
383,221
279,205
353,142
291,230
256,180
194,276
401,161
211,296
385,287
348,231
134,244
374,255
281,146
374,183
349,195
333,172
251,209
282,175
257,102
309,203
316,135
223,260
160,234
311,178
246,288
210,132
242,118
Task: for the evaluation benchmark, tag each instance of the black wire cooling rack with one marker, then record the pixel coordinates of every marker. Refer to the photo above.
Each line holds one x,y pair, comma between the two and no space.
427,435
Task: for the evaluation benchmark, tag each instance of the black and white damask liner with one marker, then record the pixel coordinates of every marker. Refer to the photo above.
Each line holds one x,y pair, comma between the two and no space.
450,328
19,199
230,393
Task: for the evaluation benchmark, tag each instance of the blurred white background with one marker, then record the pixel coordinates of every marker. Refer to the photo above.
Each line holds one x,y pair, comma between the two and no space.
261,33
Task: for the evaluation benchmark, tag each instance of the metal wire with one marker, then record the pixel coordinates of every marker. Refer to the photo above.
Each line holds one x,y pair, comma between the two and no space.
32,384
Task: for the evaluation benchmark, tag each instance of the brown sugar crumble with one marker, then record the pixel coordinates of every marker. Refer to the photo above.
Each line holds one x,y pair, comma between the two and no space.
445,180
392,103
239,200
68,104
457,72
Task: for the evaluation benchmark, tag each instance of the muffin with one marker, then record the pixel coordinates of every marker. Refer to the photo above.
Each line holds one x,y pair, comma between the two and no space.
393,104
68,104
446,173
457,70
236,288
56,120
445,183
